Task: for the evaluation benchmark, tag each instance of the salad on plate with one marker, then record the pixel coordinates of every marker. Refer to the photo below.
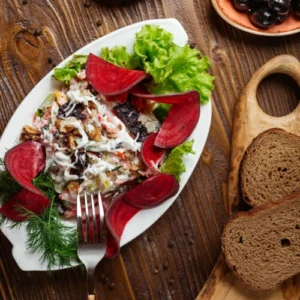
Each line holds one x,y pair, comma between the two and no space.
118,124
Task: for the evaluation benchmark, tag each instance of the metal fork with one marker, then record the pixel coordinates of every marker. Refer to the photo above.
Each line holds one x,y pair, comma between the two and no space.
92,240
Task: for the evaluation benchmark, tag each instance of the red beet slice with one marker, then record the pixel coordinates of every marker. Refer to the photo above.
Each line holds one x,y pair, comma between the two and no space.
152,191
24,162
122,98
180,122
27,199
109,79
151,154
141,92
117,216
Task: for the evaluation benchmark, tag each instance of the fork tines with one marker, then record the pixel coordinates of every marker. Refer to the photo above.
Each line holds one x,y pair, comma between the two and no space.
90,219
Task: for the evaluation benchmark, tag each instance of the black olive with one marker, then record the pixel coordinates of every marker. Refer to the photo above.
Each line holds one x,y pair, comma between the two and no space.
263,18
281,18
258,3
281,7
241,5
296,7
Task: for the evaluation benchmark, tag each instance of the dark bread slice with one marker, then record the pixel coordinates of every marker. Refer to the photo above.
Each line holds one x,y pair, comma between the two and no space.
270,168
262,246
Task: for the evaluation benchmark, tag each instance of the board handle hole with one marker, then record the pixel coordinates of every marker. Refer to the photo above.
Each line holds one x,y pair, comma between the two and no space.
278,95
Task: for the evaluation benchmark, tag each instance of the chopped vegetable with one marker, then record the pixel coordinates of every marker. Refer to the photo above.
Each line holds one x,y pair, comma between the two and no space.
152,191
71,69
174,162
24,199
180,122
151,154
109,79
24,162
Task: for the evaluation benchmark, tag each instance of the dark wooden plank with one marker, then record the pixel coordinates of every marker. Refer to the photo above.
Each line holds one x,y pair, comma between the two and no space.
195,221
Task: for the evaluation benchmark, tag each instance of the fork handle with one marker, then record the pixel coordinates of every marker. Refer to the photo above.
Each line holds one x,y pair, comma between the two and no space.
91,297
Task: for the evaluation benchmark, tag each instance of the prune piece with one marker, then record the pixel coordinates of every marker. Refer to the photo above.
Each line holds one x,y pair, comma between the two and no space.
80,163
63,111
129,116
139,129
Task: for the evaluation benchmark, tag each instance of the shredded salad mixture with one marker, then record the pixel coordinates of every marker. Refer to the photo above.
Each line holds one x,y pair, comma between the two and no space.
112,127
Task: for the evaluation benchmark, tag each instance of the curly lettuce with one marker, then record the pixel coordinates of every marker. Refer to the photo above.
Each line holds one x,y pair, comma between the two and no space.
173,68
174,162
120,57
71,69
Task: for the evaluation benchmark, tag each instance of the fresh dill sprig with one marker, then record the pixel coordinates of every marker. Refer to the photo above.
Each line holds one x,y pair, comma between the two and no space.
47,234
50,237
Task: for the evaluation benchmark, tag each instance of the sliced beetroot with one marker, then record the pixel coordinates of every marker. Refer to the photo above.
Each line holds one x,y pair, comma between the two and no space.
24,162
109,79
118,214
141,92
180,122
151,154
121,98
152,191
26,199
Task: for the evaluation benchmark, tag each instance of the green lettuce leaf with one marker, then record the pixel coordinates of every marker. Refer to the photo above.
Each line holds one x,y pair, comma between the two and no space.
174,163
71,69
173,68
120,57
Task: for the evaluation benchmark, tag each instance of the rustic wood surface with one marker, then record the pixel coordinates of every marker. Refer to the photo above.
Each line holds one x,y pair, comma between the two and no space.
35,35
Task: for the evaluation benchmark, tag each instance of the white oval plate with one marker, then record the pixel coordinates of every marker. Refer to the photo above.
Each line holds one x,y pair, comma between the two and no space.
23,115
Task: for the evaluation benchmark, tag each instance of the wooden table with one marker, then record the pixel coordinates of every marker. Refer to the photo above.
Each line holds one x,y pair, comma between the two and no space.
172,259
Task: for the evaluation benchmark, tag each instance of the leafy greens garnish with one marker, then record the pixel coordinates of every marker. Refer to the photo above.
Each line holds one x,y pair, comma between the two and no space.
173,68
120,57
174,163
71,69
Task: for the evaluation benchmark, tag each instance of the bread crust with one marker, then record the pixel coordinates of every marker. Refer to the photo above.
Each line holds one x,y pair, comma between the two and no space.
249,214
243,189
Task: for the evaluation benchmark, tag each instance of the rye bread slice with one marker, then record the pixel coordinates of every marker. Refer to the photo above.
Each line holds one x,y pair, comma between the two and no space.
270,168
262,245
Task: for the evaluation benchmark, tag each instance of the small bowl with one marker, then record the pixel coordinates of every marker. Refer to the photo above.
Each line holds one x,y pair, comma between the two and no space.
241,21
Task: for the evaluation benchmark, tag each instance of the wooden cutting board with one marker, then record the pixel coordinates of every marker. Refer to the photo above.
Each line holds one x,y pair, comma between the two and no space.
249,121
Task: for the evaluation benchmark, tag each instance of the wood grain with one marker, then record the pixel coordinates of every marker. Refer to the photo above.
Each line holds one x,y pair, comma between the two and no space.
195,220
